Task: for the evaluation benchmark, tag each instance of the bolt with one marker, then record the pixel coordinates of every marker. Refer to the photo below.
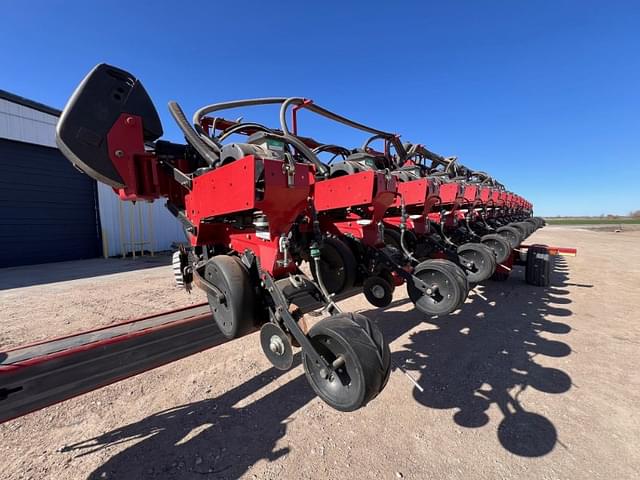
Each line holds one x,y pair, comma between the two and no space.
130,121
119,153
276,345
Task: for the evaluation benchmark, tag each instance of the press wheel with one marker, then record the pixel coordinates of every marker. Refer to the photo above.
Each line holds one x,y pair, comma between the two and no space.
356,346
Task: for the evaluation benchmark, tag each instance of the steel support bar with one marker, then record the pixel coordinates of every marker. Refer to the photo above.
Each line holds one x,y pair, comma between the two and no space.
564,251
39,375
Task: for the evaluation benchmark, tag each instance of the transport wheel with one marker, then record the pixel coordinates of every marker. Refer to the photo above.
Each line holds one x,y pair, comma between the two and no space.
538,268
445,293
176,267
378,291
337,265
498,245
234,314
352,343
511,235
479,261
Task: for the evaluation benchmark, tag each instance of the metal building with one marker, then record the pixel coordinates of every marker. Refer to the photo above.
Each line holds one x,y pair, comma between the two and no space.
50,211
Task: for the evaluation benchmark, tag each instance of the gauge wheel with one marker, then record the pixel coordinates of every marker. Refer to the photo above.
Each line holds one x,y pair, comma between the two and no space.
337,265
498,245
234,314
444,294
478,261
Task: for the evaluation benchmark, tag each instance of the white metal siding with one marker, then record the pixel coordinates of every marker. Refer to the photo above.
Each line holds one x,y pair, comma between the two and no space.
25,124
126,225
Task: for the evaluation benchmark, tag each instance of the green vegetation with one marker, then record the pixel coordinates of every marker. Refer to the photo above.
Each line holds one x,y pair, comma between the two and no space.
608,220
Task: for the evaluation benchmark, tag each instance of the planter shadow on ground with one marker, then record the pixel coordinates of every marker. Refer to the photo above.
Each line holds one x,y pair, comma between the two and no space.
488,354
485,354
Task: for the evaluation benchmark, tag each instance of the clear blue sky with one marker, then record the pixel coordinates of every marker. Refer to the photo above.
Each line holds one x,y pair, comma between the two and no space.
543,95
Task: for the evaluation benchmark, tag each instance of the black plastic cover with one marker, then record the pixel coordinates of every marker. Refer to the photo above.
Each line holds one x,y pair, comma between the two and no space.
104,94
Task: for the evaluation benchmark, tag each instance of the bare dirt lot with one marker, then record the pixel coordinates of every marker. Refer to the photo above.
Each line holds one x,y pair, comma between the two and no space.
523,382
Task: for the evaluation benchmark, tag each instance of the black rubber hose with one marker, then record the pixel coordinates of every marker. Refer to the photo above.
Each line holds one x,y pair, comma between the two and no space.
239,127
216,107
191,135
216,147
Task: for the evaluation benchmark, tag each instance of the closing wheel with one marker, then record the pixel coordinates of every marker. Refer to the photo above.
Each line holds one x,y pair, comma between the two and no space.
443,294
378,291
276,346
511,235
337,265
360,356
234,312
498,245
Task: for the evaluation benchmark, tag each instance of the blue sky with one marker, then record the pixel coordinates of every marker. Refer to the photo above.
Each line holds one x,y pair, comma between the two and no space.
543,95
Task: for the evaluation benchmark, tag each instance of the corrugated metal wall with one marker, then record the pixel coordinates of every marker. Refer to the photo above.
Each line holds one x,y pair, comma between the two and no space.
145,225
47,207
25,124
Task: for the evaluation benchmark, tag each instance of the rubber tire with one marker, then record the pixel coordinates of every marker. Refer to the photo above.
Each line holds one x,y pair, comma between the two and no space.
523,228
442,307
512,235
175,266
529,226
534,222
488,258
502,251
232,278
538,268
371,282
460,275
348,259
392,239
369,357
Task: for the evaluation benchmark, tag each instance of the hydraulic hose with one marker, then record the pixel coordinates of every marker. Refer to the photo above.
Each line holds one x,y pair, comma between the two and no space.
214,107
297,143
240,127
191,135
315,255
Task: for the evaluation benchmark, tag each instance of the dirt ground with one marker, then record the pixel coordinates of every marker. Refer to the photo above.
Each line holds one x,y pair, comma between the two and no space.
523,382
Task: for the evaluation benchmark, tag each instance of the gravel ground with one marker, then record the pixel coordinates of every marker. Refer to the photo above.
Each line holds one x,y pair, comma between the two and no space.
523,382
